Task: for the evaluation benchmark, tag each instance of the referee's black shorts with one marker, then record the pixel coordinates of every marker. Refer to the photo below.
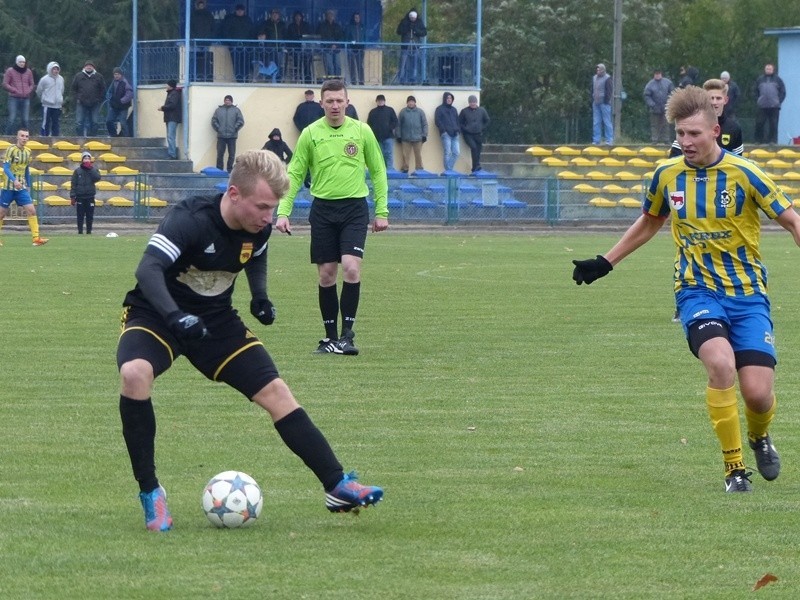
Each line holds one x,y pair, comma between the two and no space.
338,227
231,353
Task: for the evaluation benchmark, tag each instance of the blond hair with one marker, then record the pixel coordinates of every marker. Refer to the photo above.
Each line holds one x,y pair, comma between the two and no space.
689,101
263,164
716,84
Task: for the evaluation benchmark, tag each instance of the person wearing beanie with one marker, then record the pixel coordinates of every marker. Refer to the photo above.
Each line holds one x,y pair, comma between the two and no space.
50,90
227,121
16,185
173,112
411,31
446,120
89,89
473,121
383,121
276,145
412,132
18,82
83,190
120,98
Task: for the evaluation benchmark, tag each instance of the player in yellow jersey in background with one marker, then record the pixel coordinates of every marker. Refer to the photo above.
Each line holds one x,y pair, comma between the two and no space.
17,184
714,199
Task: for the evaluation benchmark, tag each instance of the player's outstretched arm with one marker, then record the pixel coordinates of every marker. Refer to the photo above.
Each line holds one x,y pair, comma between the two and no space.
790,221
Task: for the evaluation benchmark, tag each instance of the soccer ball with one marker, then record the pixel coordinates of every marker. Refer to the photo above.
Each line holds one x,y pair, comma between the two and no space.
232,499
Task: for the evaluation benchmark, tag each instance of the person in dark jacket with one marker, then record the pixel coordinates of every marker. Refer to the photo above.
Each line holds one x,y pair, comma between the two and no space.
355,33
273,32
173,112
307,112
383,121
278,146
238,26
89,90
473,121
202,23
302,58
412,32
688,76
227,121
770,94
329,30
82,191
120,98
446,120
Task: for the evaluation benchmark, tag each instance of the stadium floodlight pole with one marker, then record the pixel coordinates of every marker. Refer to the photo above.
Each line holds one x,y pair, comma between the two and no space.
135,60
186,78
617,59
479,35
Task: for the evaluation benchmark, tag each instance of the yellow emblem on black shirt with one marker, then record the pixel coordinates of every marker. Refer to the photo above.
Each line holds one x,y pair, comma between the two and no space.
246,253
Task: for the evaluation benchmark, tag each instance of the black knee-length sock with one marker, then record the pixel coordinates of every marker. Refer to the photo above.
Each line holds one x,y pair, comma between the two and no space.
306,441
139,431
329,308
349,303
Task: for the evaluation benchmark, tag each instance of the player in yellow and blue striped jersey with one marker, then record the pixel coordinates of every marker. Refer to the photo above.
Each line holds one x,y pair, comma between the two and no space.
714,199
17,184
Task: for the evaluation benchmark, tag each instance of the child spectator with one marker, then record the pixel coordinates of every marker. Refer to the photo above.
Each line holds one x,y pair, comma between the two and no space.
83,190
278,146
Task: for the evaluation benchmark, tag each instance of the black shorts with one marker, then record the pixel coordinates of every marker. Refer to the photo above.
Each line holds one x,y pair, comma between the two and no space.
338,227
231,353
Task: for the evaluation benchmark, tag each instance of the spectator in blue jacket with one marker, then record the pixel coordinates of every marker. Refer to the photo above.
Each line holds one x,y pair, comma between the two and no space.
446,120
120,98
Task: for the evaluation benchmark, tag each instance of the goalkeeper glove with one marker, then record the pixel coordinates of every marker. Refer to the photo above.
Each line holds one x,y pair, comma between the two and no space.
186,327
586,271
263,310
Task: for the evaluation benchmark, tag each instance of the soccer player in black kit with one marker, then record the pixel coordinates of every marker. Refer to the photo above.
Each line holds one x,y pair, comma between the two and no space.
182,305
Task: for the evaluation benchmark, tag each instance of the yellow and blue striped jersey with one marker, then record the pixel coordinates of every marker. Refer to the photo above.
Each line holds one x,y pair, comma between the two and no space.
715,221
15,165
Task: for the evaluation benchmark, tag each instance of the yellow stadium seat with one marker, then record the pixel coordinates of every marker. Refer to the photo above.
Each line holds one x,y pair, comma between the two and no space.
661,161
111,157
777,163
599,175
627,176
761,154
630,203
791,175
569,175
552,161
622,151
56,201
67,185
98,202
787,189
35,145
48,157
95,145
123,170
4,144
120,202
75,156
796,203
788,153
638,188
640,163
595,151
567,151
586,188
154,202
613,188
650,151
65,145
582,161
59,170
131,185
107,186
610,161
648,175
602,202
539,151
43,186
35,171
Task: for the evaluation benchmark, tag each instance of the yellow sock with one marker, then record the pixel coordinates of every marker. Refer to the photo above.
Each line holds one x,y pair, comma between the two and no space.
33,223
758,423
724,416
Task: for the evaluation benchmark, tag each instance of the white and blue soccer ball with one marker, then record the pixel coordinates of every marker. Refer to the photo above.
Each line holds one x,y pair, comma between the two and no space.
232,499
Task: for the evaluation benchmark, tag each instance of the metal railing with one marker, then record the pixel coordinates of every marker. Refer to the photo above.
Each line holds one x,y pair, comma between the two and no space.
308,62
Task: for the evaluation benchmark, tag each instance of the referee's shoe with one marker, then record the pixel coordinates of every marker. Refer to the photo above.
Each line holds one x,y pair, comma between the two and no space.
345,344
327,346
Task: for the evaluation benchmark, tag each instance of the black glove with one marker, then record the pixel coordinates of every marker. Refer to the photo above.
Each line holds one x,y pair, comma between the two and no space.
424,139
186,327
263,310
586,271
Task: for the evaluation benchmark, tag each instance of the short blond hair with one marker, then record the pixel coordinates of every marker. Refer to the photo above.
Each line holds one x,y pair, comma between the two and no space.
263,164
689,101
716,84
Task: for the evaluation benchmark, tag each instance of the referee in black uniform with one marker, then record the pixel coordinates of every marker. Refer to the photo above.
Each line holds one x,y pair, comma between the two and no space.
182,305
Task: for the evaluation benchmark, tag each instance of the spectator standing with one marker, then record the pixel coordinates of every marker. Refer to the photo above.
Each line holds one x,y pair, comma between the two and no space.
473,121
202,23
770,94
602,97
303,58
18,82
50,90
273,31
89,90
276,145
412,132
330,31
656,93
120,98
307,111
383,121
351,112
173,113
227,121
446,120
733,93
238,26
356,36
83,190
688,76
412,32
338,150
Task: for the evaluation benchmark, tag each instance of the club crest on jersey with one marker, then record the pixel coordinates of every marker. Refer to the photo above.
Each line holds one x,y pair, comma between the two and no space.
350,149
677,200
725,139
725,198
246,253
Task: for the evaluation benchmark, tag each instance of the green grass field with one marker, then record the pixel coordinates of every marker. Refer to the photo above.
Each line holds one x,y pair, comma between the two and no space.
535,439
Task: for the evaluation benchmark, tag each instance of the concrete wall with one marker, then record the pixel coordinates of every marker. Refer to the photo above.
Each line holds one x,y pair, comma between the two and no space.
267,107
788,68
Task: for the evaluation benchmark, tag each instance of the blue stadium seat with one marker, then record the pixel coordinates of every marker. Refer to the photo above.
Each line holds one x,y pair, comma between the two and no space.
222,186
214,172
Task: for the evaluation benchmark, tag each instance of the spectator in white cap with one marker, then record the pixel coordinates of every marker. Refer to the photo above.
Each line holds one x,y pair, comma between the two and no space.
411,31
18,82
733,93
